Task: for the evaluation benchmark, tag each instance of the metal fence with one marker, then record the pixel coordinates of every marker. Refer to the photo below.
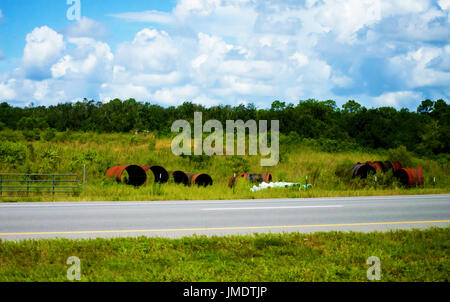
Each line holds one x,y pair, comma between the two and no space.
23,185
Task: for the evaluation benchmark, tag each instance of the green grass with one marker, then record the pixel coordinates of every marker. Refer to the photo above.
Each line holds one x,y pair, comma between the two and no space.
416,255
68,151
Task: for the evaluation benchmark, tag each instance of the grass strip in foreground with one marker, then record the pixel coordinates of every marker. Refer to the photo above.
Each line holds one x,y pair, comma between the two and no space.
416,255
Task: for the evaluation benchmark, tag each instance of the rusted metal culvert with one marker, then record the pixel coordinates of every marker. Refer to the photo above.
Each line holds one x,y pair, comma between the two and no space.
160,174
179,177
410,177
363,169
199,179
188,179
136,175
251,177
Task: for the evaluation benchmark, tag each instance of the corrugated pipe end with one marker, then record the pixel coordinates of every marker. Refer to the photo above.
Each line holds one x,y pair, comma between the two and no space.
363,169
160,174
202,180
410,177
199,179
136,175
179,177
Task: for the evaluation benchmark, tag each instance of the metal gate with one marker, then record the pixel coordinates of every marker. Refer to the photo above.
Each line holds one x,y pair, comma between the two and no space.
24,185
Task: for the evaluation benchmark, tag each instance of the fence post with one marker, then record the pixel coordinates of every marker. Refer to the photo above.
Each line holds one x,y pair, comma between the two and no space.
1,186
53,185
28,187
84,179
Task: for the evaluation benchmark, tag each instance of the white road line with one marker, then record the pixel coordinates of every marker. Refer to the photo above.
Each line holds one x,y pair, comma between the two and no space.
224,201
270,208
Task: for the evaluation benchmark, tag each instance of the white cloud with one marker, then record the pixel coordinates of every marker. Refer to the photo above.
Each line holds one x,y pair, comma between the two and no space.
257,69
413,67
123,91
398,7
146,16
242,86
175,95
227,18
43,48
155,79
86,27
300,59
7,89
444,4
187,8
90,61
347,17
398,99
234,51
150,51
210,53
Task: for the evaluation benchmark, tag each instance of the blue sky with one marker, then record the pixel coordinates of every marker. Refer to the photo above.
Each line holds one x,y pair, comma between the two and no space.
380,53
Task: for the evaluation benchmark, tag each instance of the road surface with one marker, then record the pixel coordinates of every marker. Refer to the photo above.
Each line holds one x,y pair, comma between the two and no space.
221,217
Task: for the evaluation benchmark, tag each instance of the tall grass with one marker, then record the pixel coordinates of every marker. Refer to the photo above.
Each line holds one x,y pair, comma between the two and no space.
68,151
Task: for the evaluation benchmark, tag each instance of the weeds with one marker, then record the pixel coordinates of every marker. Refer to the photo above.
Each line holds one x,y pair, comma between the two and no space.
328,172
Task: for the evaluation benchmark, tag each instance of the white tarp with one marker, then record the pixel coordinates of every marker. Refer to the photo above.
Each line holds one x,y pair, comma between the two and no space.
265,185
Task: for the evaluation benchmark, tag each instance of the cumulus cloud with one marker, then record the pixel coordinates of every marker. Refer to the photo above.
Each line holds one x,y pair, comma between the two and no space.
86,28
444,4
91,60
416,67
151,16
151,50
56,69
43,48
7,89
386,52
399,99
123,91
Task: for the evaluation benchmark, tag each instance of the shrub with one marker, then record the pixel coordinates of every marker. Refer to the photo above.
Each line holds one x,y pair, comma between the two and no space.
136,140
31,152
12,154
197,161
443,160
386,179
238,164
10,135
64,136
94,162
49,134
343,169
29,123
402,155
151,144
49,160
32,135
331,145
28,167
281,176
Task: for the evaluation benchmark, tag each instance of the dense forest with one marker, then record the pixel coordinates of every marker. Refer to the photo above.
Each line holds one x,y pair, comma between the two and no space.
425,132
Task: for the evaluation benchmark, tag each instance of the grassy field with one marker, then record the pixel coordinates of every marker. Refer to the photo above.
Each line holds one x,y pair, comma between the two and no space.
66,152
417,255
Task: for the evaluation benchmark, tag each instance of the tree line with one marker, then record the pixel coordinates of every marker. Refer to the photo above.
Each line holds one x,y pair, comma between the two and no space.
425,131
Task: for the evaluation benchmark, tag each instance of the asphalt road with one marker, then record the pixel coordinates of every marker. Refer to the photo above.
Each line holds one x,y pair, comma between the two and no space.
221,217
